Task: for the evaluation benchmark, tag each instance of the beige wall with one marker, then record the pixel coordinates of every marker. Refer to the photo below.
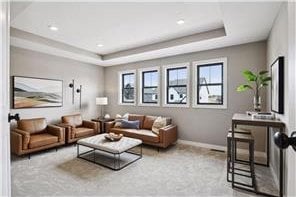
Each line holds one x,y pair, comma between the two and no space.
281,42
33,64
199,125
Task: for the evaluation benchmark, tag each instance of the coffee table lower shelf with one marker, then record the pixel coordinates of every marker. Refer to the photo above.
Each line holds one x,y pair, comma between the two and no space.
116,157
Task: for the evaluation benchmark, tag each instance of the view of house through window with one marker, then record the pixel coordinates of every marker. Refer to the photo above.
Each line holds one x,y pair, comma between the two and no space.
128,88
150,86
210,84
177,85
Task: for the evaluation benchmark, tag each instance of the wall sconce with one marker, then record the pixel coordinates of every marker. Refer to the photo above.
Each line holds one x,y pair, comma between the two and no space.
283,141
79,92
71,85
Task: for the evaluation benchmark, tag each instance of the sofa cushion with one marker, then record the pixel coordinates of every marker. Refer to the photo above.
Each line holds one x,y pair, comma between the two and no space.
33,126
74,120
143,134
81,132
130,124
137,117
38,140
148,122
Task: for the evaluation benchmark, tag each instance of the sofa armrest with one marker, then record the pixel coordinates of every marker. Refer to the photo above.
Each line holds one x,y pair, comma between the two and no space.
57,131
109,125
64,125
91,125
25,137
16,142
168,135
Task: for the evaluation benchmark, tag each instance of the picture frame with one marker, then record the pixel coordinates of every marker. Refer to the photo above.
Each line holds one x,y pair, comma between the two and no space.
277,85
33,92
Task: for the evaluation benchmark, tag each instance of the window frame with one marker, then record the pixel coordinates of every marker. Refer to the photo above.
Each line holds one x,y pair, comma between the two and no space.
121,83
141,86
196,67
166,68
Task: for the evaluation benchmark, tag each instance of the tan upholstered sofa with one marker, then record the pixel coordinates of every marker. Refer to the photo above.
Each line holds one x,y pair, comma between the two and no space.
167,135
32,135
76,128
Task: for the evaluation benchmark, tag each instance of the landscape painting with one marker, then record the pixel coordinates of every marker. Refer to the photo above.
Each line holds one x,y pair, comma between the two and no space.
31,92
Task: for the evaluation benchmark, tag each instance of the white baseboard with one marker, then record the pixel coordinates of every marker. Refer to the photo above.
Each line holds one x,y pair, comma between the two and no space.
220,148
202,145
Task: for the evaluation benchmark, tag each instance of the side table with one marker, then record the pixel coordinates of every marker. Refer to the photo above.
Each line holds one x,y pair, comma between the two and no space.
102,122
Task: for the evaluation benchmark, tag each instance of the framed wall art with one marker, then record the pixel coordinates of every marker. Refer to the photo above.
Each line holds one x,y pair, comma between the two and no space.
31,92
277,85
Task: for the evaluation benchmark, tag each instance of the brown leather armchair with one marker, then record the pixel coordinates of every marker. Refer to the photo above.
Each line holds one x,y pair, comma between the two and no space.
32,135
76,128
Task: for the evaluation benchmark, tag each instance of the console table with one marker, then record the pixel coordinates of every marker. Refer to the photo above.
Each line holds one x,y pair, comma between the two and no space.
244,119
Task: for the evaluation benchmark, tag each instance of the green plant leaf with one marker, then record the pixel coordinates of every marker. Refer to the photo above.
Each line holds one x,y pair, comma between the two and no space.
265,79
249,75
263,72
263,85
243,88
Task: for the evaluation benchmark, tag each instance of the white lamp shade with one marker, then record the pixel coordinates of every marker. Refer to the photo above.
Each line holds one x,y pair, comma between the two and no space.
101,101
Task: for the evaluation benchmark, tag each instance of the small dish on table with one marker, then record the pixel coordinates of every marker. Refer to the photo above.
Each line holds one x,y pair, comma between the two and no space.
113,137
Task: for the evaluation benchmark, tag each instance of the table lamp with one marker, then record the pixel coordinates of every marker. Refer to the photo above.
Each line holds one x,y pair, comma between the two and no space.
101,101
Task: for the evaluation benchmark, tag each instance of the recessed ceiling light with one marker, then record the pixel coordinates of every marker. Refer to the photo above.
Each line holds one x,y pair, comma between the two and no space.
100,45
53,28
180,22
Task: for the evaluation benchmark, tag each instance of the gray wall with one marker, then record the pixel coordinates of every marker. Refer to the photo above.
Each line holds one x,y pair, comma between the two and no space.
281,35
200,125
33,64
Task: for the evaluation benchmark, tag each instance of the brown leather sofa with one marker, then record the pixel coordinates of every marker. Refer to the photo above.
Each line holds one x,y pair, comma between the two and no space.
76,128
167,135
32,135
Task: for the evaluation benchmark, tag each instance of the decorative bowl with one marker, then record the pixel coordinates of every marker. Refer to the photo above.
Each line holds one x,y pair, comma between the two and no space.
113,137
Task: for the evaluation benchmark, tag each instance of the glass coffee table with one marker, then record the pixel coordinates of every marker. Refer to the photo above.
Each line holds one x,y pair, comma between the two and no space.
113,155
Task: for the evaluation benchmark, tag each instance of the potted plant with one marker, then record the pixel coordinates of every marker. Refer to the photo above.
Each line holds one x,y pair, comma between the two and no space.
255,82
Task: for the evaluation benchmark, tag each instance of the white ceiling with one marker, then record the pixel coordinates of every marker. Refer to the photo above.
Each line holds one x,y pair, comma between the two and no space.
139,31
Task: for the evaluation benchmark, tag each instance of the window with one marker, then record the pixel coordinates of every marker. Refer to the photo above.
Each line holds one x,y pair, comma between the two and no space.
149,86
127,87
210,83
176,85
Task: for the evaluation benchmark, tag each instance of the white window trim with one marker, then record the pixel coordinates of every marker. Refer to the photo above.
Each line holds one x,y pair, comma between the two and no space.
164,84
225,93
140,71
120,73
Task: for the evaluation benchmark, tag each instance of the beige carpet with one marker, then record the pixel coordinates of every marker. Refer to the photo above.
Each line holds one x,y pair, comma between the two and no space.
181,170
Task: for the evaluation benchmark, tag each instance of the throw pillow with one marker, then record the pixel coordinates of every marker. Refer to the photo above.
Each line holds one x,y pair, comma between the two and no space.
158,123
130,124
117,122
125,116
119,119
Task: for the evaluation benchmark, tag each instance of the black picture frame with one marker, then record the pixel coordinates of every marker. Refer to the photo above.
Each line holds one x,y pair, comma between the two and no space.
277,85
40,99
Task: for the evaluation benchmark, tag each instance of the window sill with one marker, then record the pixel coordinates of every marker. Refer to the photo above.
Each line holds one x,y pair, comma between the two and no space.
149,105
210,106
127,104
176,105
